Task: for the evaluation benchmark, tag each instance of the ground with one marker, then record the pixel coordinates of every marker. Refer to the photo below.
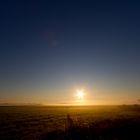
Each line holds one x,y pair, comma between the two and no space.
89,122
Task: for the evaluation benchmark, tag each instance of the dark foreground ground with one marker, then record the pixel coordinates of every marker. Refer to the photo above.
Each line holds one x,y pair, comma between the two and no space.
88,123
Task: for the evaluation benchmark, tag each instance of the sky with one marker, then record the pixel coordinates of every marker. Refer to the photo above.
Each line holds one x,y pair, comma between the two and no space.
50,49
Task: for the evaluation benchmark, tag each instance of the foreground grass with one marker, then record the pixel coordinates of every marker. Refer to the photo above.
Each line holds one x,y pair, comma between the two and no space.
93,122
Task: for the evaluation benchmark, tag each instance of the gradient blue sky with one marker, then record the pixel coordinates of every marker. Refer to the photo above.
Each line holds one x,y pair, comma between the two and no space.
48,49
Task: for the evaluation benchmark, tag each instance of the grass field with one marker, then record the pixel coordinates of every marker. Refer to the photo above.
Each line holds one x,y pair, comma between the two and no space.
89,122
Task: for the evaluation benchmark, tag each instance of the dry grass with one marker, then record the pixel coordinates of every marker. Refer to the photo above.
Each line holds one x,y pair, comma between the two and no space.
92,122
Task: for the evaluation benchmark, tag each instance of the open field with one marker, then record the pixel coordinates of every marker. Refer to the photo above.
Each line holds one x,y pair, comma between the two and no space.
89,122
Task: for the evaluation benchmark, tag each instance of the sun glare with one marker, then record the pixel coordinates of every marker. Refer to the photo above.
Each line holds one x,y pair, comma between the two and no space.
80,94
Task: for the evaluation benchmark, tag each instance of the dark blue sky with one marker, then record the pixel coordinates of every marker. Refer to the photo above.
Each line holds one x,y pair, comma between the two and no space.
57,45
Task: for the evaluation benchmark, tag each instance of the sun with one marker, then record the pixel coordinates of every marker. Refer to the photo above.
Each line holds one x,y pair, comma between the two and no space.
80,94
